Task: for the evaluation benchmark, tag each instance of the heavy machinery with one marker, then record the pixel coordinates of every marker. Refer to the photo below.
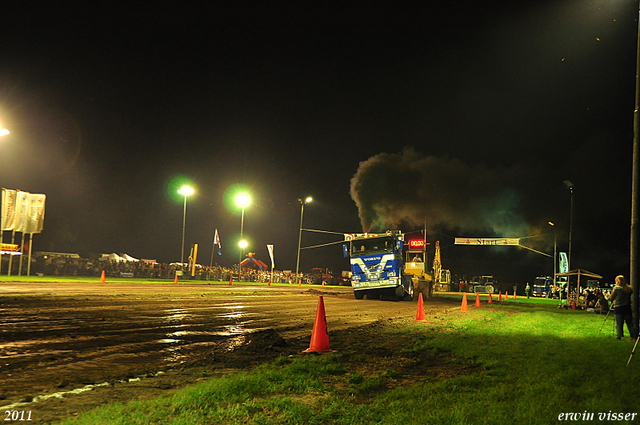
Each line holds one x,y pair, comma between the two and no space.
482,284
442,277
378,268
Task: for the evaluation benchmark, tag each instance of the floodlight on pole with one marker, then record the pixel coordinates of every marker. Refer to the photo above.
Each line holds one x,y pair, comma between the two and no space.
555,251
570,187
302,203
4,131
242,200
184,191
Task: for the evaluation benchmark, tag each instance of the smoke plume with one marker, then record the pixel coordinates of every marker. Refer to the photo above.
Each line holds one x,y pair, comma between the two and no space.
393,191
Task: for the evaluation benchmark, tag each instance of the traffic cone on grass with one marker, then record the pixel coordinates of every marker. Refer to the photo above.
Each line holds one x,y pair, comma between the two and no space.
175,279
477,299
420,316
490,299
464,306
500,296
506,295
102,277
319,336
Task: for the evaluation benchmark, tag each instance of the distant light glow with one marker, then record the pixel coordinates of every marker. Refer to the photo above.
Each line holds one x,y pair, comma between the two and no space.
243,200
243,244
309,199
186,191
3,131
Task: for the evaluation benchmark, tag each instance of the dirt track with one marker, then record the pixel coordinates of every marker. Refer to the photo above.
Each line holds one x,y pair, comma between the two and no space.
56,338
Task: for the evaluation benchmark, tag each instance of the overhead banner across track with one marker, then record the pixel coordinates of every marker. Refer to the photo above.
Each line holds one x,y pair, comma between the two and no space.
488,241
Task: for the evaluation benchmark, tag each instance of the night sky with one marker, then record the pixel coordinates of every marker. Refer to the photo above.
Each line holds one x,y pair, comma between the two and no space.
466,115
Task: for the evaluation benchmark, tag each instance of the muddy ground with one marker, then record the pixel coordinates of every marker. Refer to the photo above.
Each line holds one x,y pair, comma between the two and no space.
68,347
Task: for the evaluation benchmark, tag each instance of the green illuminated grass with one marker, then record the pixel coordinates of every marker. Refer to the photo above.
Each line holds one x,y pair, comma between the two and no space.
536,362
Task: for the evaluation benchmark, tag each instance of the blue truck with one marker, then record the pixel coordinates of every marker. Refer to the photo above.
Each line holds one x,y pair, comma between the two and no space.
378,268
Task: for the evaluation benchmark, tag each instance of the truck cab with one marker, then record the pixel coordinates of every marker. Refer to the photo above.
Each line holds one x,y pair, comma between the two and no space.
376,264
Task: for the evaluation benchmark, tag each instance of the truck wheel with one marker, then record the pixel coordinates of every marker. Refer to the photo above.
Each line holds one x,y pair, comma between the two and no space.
489,289
358,294
410,295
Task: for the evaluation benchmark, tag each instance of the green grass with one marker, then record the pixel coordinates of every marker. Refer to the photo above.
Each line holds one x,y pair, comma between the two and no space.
536,362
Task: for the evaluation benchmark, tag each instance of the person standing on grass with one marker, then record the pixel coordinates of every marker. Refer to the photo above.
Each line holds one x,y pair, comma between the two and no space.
527,290
621,297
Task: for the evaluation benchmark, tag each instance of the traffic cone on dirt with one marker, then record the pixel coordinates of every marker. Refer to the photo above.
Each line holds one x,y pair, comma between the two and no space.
230,280
477,299
506,295
269,284
175,279
323,283
490,299
500,296
102,277
319,336
464,306
420,316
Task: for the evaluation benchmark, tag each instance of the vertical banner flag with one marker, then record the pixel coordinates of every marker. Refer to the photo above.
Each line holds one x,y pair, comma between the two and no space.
35,213
216,241
270,248
22,207
9,199
564,262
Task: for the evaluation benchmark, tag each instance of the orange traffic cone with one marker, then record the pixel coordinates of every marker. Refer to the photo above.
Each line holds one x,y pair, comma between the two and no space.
506,295
464,302
420,317
319,336
477,299
515,296
230,280
269,284
500,296
323,283
102,277
175,279
490,299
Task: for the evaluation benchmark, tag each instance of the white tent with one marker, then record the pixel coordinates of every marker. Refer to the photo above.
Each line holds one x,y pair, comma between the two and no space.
112,257
127,257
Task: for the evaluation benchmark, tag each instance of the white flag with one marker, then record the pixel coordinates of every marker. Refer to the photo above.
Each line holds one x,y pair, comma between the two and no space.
22,207
270,248
35,213
216,241
9,198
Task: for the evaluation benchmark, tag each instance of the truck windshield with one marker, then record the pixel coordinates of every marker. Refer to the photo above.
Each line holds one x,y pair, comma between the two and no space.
371,246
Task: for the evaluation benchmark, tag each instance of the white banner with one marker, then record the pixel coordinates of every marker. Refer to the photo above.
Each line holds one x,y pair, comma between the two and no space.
22,206
487,241
270,248
22,211
8,208
35,213
564,262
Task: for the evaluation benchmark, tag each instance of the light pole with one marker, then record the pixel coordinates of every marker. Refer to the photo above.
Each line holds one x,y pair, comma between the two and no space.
555,251
570,186
306,201
243,200
184,191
